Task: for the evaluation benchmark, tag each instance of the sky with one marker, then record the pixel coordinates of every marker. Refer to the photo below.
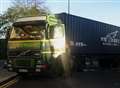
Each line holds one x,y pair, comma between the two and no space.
106,11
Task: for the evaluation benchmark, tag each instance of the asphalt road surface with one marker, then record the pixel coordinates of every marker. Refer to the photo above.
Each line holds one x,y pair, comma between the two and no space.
77,80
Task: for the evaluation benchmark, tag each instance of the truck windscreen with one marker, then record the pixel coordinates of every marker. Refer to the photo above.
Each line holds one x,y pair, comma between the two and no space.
27,32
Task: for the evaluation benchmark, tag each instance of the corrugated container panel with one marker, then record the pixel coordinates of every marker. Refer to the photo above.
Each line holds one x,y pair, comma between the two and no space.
89,36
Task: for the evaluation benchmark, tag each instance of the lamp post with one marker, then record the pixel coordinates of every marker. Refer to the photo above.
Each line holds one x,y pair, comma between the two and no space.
68,23
68,6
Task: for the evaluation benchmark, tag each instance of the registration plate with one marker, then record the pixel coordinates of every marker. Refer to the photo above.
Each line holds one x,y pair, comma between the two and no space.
23,70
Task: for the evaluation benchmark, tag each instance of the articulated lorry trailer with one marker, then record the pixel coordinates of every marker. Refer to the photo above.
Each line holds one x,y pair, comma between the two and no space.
93,45
58,43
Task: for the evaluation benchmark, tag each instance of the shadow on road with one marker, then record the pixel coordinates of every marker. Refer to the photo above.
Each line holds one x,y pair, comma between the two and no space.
77,80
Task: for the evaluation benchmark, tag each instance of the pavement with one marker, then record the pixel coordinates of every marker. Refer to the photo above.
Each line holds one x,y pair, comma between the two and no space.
5,75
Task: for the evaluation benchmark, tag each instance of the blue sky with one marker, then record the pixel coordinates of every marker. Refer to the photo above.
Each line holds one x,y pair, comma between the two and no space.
101,10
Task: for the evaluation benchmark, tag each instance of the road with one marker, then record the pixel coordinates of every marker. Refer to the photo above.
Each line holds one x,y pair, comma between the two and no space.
77,80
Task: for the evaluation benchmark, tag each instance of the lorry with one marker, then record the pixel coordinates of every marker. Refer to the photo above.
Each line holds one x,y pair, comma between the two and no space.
36,45
62,43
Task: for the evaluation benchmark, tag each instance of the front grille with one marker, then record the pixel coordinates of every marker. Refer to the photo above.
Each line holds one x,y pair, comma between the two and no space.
24,53
22,63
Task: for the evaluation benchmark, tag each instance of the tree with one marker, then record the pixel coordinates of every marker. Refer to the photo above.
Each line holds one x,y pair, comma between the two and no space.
24,8
37,3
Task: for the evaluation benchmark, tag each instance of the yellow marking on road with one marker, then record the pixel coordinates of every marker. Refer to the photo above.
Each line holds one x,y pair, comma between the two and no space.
6,85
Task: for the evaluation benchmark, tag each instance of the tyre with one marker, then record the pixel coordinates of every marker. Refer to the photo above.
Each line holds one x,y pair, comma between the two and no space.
67,64
60,66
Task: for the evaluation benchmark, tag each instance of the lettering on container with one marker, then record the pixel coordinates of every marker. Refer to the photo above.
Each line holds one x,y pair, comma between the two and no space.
111,39
77,44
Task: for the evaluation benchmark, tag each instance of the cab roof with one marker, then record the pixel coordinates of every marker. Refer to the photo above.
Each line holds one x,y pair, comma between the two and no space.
27,19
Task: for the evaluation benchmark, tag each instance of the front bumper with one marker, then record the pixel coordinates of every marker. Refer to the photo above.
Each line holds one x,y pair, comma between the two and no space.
37,68
27,65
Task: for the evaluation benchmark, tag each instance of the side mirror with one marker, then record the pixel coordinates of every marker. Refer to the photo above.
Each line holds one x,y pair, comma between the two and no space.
53,30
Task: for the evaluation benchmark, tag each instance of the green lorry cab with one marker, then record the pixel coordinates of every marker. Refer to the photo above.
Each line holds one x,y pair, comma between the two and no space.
37,44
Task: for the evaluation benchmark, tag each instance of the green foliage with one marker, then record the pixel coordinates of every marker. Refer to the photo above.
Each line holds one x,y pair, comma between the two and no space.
21,8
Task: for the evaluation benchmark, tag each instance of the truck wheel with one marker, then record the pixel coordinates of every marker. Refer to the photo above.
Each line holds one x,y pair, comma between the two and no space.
67,64
56,68
60,66
59,69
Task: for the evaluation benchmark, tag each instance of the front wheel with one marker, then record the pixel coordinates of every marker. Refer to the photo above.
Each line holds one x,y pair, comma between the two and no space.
61,66
56,68
64,63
